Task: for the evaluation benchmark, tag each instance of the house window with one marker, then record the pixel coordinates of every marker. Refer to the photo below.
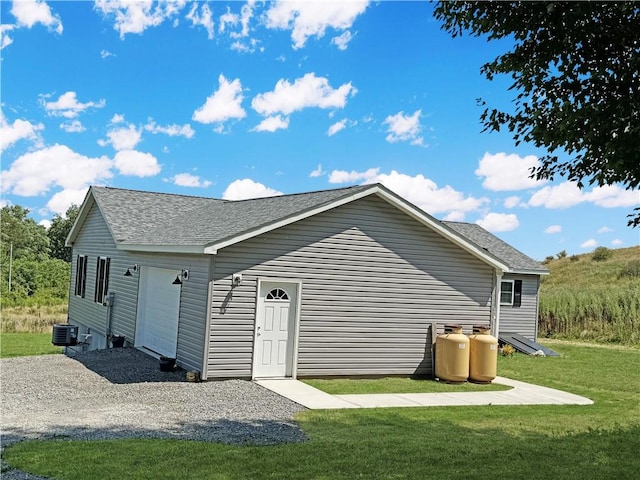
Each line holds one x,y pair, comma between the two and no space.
511,292
506,292
81,275
102,280
277,294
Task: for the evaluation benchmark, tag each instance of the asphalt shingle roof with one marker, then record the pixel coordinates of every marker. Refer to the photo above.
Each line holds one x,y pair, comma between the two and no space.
145,218
160,219
517,260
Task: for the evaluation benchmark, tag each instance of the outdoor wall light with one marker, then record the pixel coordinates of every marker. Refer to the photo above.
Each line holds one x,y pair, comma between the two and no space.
183,276
128,272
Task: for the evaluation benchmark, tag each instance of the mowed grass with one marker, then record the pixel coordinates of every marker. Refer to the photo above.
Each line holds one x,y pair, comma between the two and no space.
24,344
599,441
340,386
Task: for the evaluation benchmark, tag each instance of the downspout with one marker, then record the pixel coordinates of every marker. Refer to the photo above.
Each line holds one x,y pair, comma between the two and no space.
109,302
495,328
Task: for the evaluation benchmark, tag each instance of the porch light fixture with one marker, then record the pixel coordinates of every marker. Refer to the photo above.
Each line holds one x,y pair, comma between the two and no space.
183,276
128,272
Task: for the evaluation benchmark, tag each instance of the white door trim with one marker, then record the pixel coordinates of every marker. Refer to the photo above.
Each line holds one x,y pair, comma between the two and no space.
295,324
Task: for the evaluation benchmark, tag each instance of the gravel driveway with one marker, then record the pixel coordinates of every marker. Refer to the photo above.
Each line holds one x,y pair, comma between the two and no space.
121,393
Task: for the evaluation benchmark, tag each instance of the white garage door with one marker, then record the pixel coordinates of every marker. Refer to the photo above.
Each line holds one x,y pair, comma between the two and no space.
158,311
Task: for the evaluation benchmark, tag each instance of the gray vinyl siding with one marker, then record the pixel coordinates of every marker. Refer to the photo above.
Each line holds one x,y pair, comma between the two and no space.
95,240
373,280
523,319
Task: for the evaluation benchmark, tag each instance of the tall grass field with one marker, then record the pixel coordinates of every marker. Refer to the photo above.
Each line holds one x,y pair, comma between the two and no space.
595,296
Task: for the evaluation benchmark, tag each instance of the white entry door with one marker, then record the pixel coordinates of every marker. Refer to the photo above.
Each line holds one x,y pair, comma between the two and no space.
275,325
158,311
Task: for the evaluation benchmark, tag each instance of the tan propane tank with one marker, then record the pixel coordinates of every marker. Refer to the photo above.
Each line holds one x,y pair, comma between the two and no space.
452,355
483,355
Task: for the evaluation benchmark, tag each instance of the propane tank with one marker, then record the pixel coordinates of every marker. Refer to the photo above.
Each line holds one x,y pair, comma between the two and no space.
452,355
483,355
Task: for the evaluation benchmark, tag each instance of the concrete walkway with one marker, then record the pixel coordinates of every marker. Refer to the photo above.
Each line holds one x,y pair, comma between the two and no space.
521,394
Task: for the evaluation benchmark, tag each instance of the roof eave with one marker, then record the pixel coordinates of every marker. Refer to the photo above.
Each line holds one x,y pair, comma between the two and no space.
141,247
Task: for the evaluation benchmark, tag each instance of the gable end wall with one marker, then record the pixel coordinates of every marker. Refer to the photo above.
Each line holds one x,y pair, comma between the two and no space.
373,280
94,240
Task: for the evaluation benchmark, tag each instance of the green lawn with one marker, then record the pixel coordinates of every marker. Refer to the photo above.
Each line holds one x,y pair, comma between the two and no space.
600,441
23,344
339,386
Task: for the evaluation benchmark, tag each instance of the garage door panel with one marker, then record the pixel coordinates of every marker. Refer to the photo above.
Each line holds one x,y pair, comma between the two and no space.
158,311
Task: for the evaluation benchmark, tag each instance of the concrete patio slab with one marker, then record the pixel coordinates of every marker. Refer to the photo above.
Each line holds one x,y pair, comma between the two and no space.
521,394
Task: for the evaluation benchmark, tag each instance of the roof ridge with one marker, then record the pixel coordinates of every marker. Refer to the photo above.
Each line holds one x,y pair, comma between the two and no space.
300,193
156,193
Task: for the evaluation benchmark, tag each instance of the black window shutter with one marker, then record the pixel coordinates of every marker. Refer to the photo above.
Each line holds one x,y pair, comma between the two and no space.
517,293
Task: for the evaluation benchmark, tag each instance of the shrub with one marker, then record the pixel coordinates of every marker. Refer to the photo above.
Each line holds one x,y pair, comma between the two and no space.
507,350
574,258
561,254
601,254
547,259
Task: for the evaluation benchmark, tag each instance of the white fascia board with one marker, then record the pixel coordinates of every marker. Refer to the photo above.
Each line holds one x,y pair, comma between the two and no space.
213,248
195,249
89,200
529,272
435,225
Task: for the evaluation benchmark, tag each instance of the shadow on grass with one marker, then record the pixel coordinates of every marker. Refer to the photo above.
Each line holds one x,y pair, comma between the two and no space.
389,446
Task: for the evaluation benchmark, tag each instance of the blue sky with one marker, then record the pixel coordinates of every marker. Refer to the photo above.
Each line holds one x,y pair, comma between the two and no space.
244,99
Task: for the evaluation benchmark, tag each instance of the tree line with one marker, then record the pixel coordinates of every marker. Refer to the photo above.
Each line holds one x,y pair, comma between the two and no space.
34,262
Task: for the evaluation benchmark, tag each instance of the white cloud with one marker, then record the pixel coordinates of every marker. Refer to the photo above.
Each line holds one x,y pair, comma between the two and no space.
318,172
188,180
106,54
564,195
553,229
342,41
336,127
68,105
418,190
45,223
308,91
223,104
125,138
342,176
426,194
567,194
204,18
271,124
499,222
612,196
11,133
34,173
405,128
511,202
5,39
74,126
604,229
233,19
247,188
589,243
136,16
117,118
31,12
61,201
137,164
504,172
172,130
455,216
617,242
307,19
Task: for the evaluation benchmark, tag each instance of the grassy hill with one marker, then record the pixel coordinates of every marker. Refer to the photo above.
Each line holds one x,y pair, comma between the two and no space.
595,296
